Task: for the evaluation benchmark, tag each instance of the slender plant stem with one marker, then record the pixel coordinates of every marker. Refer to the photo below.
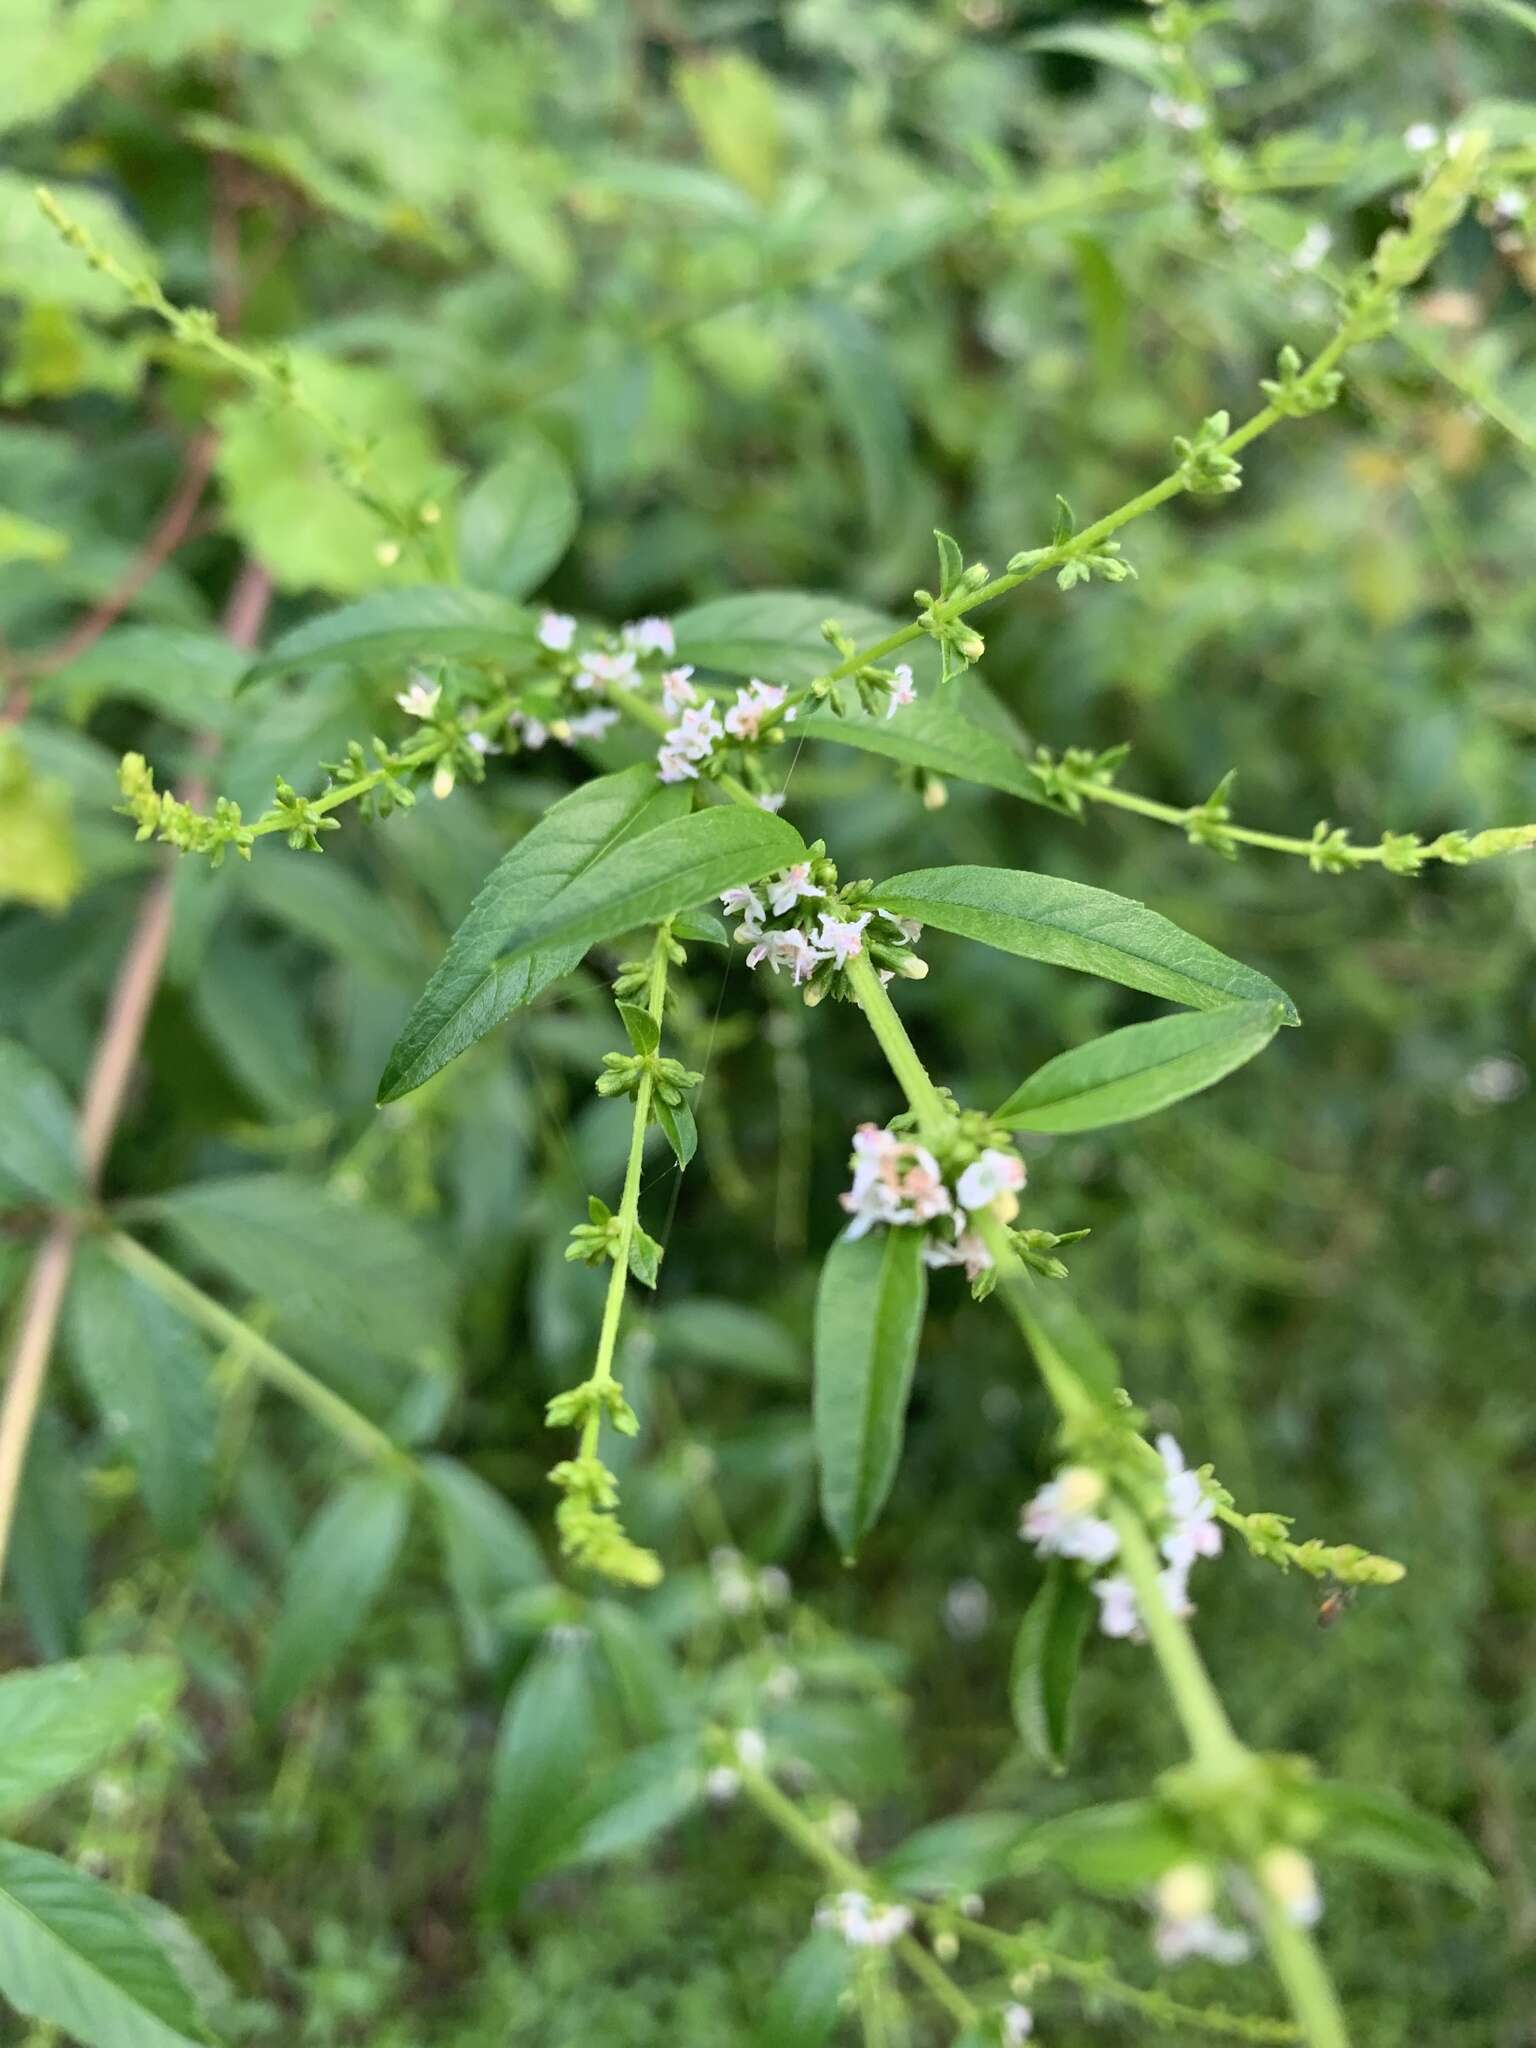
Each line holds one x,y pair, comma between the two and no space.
1195,1700
629,1205
265,1359
901,1054
1303,1975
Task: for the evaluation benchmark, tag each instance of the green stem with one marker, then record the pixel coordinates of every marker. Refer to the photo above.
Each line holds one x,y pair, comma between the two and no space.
1201,1715
1303,1975
629,1207
272,1365
901,1054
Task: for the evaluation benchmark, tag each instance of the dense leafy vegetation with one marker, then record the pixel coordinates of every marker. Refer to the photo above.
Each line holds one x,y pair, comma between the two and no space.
465,479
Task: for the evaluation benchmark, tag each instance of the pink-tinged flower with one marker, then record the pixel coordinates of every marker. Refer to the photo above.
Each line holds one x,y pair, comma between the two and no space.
604,668
967,1250
994,1173
748,906
1059,1521
1119,1614
421,699
696,731
841,937
1195,1531
791,949
902,689
649,636
752,705
556,631
591,725
1173,1584
789,886
677,692
531,731
674,766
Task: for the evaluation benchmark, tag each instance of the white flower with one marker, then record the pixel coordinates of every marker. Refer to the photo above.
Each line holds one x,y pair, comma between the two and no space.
1118,1613
696,731
421,699
603,668
1018,2025
1312,248
1059,1520
556,631
672,766
591,725
751,707
676,690
722,1783
649,636
1195,1531
840,938
994,1173
968,1250
786,888
894,1181
909,927
1291,1881
531,731
772,802
1183,114
790,949
861,1923
751,1749
1421,137
903,689
732,1581
748,906
478,743
1200,1935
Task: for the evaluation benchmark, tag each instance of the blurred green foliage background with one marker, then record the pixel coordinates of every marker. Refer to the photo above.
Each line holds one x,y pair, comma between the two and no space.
770,291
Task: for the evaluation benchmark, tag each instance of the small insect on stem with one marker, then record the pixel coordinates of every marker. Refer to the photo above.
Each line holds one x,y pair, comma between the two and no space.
1333,1604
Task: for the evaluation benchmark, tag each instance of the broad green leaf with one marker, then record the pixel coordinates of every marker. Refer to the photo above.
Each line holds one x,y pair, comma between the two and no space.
334,1577
731,1336
1110,42
1119,1849
643,1795
655,873
869,1316
867,404
488,1549
396,626
1139,1070
49,1546
242,996
148,1374
645,1681
68,1718
184,676
965,1853
941,733
517,521
1381,1827
805,2004
775,634
40,852
474,988
1068,924
74,1955
1046,1653
541,1767
734,108
643,1031
343,1279
39,1154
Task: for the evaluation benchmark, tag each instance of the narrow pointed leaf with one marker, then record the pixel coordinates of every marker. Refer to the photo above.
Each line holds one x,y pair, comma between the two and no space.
393,626
1120,1848
75,1956
518,519
1046,1654
869,1316
966,1853
473,988
39,1159
541,1768
677,1123
805,2004
656,873
1068,924
1139,1070
68,1718
488,1549
334,1578
1378,1826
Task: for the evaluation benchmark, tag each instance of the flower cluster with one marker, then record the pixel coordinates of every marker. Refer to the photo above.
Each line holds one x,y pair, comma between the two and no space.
1060,1522
863,1924
795,922
898,1182
1185,1899
688,744
740,1586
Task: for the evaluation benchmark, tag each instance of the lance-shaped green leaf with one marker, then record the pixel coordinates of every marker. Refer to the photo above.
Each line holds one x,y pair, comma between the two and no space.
67,1718
679,1128
1119,1848
393,626
805,2003
74,1955
542,1768
149,1375
946,735
488,1549
1046,1654
473,988
656,873
39,1158
517,520
334,1578
1139,1070
1068,924
869,1316
1381,1827
966,1853
775,634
